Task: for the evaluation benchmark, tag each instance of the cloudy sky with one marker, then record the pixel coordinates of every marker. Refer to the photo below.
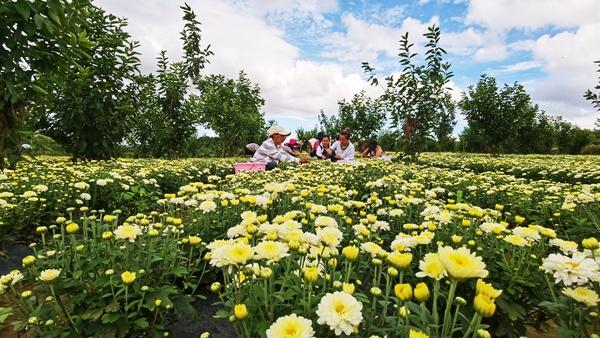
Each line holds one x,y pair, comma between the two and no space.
306,54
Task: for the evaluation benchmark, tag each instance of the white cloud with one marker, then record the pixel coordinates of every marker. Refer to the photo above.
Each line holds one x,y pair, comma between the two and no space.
516,67
567,58
364,41
293,88
532,14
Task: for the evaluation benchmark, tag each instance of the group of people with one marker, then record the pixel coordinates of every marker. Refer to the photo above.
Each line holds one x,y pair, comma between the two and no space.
322,147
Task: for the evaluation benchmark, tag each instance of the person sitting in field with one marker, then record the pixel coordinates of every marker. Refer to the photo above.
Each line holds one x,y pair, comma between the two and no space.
343,148
271,150
293,147
315,143
373,150
324,150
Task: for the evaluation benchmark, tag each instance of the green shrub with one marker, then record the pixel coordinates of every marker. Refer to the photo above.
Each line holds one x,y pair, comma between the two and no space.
591,149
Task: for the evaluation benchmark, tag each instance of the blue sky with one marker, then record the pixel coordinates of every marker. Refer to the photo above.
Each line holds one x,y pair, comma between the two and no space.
306,54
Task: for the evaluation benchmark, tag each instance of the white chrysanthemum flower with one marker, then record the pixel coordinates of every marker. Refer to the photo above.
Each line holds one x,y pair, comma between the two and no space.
129,232
583,295
271,251
576,269
330,236
565,246
492,227
208,206
340,311
326,221
530,234
237,253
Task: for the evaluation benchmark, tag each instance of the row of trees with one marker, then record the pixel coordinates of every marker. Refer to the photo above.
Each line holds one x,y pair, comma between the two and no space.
420,114
506,120
69,70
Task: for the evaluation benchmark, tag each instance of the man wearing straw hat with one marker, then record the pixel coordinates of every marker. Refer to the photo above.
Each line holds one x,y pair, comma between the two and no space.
271,151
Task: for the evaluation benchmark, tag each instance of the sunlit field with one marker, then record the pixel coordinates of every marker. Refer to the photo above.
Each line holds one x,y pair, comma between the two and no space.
454,246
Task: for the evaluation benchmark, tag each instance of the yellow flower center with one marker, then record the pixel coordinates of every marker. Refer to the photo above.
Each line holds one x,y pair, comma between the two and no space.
573,265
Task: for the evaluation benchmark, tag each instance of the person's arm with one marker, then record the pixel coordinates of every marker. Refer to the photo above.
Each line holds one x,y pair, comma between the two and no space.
277,154
364,153
319,152
379,152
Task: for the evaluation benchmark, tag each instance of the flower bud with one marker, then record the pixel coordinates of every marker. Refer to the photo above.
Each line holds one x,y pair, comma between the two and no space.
421,292
240,311
403,291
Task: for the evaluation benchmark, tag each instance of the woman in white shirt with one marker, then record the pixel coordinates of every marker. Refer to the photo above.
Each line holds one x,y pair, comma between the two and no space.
324,150
343,148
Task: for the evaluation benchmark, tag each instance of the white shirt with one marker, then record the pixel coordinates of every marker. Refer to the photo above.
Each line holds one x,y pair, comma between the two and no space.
268,152
320,150
345,154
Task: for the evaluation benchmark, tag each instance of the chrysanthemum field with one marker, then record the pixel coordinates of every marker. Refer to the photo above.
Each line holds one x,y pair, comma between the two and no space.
454,246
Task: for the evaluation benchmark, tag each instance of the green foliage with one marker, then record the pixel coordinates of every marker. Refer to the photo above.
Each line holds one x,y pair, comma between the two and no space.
389,140
594,97
167,114
45,38
503,118
4,314
591,149
363,115
306,135
329,124
231,108
94,102
90,298
415,98
195,56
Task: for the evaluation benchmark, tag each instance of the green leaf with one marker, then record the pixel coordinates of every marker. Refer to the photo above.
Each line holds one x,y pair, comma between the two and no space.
110,317
222,314
39,21
23,9
141,323
92,314
5,313
39,89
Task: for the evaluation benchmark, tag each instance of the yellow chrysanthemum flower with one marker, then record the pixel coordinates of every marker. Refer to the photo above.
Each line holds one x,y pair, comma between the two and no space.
461,263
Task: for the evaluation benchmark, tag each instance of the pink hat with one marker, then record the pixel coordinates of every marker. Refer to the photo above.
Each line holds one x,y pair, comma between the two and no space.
291,142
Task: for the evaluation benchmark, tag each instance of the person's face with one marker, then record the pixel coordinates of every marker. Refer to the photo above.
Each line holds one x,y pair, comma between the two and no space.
344,140
278,139
325,142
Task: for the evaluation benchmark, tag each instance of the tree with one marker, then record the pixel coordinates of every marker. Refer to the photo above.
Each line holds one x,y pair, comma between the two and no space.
94,100
306,134
167,115
415,97
481,107
503,119
44,38
446,120
362,115
594,97
231,108
330,125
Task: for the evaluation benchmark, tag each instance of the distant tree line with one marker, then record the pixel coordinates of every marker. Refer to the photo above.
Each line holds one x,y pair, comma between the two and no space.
421,114
70,79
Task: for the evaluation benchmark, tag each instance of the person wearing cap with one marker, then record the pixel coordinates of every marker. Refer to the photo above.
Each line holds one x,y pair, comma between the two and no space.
271,150
293,147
